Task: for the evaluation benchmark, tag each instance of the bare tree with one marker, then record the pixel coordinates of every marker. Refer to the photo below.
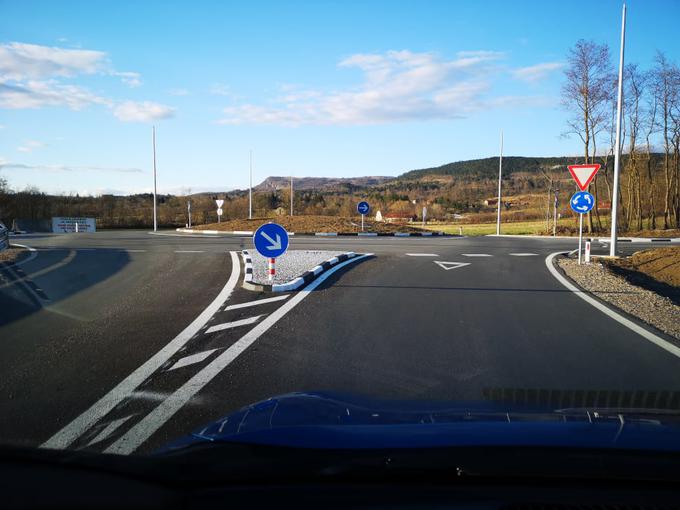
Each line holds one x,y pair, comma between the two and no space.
587,93
635,88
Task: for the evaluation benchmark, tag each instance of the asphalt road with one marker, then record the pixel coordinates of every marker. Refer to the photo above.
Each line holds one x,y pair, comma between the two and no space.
122,341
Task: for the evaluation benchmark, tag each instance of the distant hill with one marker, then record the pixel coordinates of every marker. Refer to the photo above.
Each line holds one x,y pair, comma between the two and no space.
488,167
321,183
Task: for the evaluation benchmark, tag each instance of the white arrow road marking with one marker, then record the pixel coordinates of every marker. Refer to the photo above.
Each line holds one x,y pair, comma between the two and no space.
109,429
125,388
235,324
523,254
190,360
258,302
476,255
422,255
276,245
142,430
446,266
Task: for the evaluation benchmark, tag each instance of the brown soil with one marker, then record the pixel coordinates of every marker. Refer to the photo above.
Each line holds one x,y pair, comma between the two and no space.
310,224
12,254
661,264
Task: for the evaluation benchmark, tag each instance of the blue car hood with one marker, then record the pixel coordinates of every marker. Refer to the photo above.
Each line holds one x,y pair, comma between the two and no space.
338,421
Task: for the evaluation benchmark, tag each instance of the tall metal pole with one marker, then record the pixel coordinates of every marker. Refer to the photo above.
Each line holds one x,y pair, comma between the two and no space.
291,195
617,154
250,189
500,173
153,143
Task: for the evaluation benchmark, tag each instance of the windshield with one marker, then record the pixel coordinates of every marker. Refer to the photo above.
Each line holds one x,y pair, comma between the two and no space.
339,225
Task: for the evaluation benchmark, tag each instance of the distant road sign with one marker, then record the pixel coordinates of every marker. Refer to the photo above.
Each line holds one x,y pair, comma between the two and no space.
219,203
271,240
583,174
582,202
220,211
363,207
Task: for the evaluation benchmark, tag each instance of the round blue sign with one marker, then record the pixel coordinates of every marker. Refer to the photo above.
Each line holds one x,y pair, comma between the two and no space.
271,240
582,202
363,207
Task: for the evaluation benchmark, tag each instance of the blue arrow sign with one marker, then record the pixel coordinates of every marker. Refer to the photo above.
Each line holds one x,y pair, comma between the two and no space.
271,240
582,202
363,207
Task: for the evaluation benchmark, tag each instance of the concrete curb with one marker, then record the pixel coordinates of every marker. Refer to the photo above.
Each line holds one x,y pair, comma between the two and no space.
295,283
320,234
599,239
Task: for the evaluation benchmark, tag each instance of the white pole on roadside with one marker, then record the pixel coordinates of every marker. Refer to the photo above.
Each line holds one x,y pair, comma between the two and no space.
500,173
362,222
189,211
291,195
580,236
555,214
617,154
153,143
250,188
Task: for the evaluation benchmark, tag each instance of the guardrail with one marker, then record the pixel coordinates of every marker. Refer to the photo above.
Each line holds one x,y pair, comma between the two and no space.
4,237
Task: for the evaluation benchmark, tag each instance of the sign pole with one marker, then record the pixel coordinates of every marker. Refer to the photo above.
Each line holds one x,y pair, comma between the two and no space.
250,189
617,153
500,172
580,236
362,222
272,268
153,143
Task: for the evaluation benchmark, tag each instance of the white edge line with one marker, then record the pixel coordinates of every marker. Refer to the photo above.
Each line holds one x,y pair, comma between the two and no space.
658,341
143,429
99,409
32,255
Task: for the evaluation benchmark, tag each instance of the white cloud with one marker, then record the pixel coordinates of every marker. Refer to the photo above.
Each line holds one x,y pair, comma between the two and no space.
178,92
129,78
31,145
145,111
535,73
38,94
21,61
66,168
220,89
397,86
33,76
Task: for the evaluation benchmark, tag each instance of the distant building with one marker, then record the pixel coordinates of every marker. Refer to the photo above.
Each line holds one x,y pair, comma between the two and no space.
399,217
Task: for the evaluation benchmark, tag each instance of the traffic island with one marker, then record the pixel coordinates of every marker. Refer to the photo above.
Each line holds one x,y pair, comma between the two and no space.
294,269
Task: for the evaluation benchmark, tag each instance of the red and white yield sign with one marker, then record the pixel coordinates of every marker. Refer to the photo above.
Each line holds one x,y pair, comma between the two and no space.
583,174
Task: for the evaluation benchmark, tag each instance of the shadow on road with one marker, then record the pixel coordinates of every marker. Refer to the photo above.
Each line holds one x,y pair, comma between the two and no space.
54,276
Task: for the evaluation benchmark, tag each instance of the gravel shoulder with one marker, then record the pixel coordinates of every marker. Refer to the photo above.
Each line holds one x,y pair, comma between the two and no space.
290,265
12,254
650,307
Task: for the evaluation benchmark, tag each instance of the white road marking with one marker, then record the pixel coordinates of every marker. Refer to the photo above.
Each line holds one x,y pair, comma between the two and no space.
31,256
446,266
524,254
476,255
188,251
422,255
258,302
109,429
235,324
660,342
135,251
143,429
99,409
190,360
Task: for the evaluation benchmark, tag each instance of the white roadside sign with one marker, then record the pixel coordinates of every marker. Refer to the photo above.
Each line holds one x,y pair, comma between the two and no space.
68,224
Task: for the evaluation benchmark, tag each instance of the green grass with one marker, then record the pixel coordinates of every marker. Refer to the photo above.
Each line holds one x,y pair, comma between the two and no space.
481,229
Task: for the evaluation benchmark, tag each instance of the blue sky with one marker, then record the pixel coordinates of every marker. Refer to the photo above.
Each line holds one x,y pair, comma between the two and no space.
313,88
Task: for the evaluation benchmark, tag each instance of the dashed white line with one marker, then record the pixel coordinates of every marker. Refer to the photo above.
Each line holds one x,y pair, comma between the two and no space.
422,255
235,324
476,255
524,254
135,251
188,251
258,302
190,360
104,405
143,429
